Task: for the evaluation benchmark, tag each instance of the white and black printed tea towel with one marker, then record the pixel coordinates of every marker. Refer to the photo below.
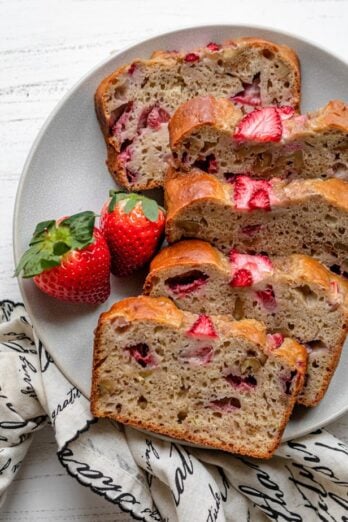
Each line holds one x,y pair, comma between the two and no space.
153,480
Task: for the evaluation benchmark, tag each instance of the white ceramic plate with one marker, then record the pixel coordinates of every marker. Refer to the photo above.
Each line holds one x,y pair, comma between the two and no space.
65,173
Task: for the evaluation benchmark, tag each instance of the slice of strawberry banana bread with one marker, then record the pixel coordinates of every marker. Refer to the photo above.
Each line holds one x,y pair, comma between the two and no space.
292,295
203,379
134,103
261,216
213,135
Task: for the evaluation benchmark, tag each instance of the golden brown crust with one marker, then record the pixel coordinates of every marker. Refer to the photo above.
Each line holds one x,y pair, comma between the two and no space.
142,308
100,98
203,110
306,269
182,189
97,360
333,116
162,58
250,329
104,119
294,353
333,190
184,253
189,252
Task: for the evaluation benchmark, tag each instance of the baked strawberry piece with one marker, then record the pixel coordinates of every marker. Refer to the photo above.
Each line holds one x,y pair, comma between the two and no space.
267,298
213,46
69,259
248,270
141,354
203,328
191,57
275,340
208,164
260,125
286,112
241,382
135,125
252,194
153,117
186,283
201,355
251,94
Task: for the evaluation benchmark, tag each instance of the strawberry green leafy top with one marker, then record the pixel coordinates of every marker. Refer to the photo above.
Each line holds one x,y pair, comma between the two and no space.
149,206
52,240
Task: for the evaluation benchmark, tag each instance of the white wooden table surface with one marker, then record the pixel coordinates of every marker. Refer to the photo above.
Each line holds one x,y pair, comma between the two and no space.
45,46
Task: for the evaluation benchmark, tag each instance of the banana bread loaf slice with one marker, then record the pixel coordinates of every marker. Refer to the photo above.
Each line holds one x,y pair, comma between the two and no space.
261,216
134,103
213,135
203,379
292,295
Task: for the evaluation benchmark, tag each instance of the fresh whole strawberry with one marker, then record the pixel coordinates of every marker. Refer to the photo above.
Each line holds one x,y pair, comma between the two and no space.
133,226
69,259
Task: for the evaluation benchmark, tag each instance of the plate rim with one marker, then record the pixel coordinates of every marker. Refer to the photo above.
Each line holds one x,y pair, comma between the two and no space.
36,143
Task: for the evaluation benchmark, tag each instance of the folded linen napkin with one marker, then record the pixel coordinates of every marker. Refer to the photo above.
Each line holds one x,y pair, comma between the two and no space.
151,479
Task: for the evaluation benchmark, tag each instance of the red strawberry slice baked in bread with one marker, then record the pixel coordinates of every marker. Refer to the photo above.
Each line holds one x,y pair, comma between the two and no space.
255,216
69,260
251,194
207,379
250,94
292,295
268,142
260,126
135,102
